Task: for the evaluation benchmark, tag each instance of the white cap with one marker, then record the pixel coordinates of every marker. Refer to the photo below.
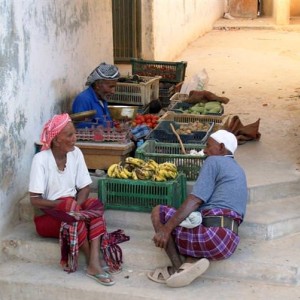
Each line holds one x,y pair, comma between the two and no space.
227,138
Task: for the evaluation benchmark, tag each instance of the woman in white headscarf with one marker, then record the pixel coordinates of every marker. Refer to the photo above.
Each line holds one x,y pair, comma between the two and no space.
59,189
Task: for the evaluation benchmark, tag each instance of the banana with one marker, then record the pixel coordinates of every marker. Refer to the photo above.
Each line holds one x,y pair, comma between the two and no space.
128,167
168,166
163,173
121,172
143,174
111,170
148,168
157,177
134,176
128,173
172,174
116,173
135,161
152,164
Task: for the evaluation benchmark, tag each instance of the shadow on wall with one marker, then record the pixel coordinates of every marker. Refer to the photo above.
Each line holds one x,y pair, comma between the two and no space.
11,146
63,96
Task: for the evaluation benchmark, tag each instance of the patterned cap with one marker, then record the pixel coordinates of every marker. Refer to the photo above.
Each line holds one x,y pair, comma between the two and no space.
103,72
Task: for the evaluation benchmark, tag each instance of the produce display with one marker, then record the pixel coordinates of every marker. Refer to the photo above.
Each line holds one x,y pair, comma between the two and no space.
148,119
131,79
212,107
139,169
191,127
167,72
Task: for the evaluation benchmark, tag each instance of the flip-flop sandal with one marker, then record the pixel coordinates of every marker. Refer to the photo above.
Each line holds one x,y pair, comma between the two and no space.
159,275
110,271
187,273
107,270
98,278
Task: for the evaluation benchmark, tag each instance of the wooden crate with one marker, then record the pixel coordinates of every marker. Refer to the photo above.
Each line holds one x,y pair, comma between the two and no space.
101,156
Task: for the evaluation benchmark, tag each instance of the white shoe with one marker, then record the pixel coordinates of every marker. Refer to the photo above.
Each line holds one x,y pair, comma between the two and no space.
228,16
187,273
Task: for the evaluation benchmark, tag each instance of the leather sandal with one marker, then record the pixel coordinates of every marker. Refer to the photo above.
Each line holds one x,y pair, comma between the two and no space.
160,275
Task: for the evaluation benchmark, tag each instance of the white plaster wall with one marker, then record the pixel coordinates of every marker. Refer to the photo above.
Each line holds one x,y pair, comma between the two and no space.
47,49
176,23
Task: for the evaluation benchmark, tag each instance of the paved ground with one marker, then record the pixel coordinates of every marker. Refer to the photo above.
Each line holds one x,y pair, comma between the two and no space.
257,67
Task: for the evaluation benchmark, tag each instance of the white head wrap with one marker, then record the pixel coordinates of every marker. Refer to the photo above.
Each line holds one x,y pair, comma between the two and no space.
105,72
227,138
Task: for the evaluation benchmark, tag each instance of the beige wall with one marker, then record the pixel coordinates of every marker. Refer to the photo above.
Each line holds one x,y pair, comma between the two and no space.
268,8
295,8
47,49
170,25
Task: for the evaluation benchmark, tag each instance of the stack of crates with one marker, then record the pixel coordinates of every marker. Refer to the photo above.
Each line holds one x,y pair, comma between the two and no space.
172,75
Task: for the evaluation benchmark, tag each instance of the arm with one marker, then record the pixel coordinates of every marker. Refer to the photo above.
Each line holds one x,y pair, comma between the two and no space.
83,194
38,201
164,231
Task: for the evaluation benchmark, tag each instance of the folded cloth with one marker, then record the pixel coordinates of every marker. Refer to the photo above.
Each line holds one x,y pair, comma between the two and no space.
204,96
242,132
193,220
140,131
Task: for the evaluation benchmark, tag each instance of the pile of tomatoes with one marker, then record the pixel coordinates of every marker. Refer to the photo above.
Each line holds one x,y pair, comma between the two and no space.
147,119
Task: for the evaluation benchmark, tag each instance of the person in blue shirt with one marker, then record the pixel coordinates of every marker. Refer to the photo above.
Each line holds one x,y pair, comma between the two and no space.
205,226
101,86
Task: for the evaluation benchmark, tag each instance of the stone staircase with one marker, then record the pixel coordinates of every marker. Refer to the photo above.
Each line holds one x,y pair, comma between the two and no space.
267,255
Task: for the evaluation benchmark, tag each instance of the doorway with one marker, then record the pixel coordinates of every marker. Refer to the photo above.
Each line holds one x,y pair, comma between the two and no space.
245,8
126,29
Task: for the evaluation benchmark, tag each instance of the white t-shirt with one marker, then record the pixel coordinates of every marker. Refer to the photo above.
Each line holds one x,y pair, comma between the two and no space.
52,183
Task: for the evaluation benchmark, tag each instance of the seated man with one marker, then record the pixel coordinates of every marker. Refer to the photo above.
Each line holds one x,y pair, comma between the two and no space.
101,86
220,195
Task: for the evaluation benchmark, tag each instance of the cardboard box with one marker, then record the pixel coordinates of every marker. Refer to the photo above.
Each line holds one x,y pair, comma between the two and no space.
103,155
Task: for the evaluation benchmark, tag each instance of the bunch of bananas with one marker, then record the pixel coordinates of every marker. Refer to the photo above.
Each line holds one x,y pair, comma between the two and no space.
165,172
138,169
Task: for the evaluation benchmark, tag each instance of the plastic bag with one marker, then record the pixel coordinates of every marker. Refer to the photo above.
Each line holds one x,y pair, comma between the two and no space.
198,82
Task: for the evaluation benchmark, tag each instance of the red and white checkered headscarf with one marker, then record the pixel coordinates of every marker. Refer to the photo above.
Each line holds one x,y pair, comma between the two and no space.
52,128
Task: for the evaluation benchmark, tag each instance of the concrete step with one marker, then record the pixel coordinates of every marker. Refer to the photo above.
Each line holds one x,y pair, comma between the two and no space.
264,220
21,280
273,262
271,219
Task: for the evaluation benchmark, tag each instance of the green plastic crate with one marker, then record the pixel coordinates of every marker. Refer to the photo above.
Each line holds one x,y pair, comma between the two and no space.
169,71
161,152
141,195
190,118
